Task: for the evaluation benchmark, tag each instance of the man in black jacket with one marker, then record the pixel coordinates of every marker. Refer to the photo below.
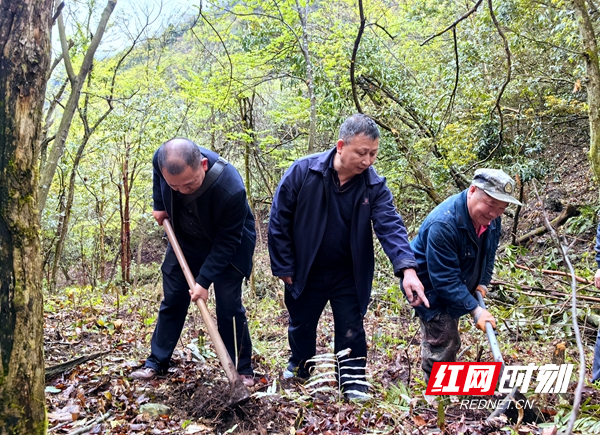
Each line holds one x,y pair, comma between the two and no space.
215,228
324,212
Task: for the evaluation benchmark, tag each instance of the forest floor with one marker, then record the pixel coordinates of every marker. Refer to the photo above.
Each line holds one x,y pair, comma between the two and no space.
99,396
196,389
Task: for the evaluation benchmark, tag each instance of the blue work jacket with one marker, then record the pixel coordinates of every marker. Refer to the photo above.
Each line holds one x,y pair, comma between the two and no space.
224,216
446,251
299,215
597,248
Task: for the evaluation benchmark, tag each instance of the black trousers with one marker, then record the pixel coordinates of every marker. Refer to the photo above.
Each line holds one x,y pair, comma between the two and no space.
337,287
175,303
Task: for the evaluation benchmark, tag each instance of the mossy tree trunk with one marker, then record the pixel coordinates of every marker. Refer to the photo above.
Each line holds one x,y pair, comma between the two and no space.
24,62
590,49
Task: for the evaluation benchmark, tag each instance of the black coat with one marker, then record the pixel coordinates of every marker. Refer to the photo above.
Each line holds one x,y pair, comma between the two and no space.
299,216
225,218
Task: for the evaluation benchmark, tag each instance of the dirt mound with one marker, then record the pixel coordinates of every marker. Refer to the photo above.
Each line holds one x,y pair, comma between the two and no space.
207,399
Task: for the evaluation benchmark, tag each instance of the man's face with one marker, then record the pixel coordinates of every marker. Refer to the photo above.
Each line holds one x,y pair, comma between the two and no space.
189,180
483,209
357,154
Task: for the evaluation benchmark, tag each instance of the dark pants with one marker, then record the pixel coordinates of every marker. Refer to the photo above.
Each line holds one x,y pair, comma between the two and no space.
339,289
174,307
440,341
596,361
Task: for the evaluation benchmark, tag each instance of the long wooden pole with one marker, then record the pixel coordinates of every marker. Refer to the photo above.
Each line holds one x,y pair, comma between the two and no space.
238,389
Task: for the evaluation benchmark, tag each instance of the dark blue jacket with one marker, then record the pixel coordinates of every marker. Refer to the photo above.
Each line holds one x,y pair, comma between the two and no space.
299,215
446,251
597,248
224,215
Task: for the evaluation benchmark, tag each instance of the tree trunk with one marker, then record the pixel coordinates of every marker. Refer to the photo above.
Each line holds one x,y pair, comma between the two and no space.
590,47
125,218
247,114
312,132
65,215
24,62
77,81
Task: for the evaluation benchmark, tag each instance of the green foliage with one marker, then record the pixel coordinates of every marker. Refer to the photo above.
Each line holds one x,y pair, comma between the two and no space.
585,221
588,425
399,396
587,421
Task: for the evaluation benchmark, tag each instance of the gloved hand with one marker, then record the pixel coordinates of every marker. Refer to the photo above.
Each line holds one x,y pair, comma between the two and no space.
481,289
481,317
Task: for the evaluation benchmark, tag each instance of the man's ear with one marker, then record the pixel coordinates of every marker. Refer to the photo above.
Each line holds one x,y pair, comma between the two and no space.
204,163
340,145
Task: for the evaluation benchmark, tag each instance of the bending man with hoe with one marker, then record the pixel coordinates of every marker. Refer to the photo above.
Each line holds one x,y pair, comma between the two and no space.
455,250
205,200
321,247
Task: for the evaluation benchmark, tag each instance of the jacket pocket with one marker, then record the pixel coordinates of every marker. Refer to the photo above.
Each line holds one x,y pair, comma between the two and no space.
467,253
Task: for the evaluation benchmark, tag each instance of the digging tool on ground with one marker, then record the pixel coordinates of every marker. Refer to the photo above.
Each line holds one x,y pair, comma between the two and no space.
515,394
239,392
491,335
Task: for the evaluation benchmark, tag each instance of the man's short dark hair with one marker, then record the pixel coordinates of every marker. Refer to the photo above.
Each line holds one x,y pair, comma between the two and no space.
358,124
176,154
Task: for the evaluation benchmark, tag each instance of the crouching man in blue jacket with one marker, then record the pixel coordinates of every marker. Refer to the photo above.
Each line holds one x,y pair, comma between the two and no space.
455,251
321,246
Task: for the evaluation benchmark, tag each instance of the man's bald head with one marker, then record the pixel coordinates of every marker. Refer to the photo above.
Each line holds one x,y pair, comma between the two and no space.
177,154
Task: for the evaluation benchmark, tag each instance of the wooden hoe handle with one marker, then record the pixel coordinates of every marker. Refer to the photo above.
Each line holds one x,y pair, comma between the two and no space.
240,390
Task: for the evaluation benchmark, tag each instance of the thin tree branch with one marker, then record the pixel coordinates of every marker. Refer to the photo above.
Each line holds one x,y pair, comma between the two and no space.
55,63
65,49
563,250
549,44
91,424
47,140
521,187
395,57
95,42
59,9
552,272
497,106
508,71
258,14
421,125
464,17
361,29
456,76
382,28
229,85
